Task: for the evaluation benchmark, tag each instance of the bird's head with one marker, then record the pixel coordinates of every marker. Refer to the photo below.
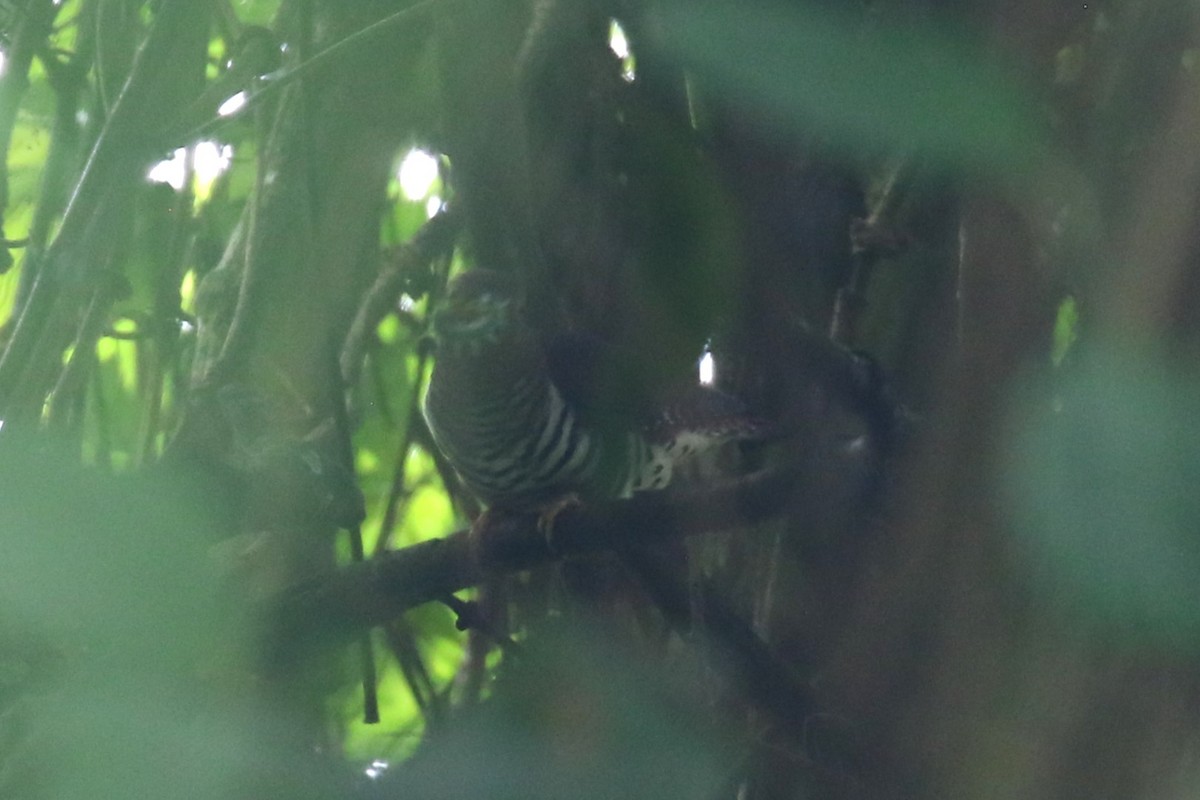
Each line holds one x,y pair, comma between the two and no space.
481,307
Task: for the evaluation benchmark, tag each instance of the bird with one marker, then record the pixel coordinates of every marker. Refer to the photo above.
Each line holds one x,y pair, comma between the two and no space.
514,411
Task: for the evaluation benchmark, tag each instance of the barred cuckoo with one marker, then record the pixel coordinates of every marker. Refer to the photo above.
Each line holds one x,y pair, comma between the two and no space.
512,417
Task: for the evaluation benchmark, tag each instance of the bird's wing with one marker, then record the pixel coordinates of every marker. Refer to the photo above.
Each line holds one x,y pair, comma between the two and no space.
594,380
707,411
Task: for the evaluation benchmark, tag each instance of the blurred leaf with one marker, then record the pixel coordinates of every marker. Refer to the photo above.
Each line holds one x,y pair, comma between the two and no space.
1069,64
406,218
64,36
242,170
114,572
809,68
1104,492
429,515
114,413
256,12
574,716
26,157
8,293
400,728
1066,330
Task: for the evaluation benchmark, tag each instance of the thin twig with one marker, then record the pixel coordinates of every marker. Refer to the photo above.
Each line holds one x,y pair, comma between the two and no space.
340,49
391,511
72,268
435,237
403,644
387,586
871,239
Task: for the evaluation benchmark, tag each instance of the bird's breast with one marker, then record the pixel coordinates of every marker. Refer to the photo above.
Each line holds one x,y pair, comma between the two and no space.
512,437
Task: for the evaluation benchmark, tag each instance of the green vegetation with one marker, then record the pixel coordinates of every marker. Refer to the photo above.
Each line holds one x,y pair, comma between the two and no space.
945,258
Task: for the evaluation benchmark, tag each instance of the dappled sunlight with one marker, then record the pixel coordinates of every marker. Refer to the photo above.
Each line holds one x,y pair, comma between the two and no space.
433,205
233,105
673,400
707,368
619,44
209,160
417,173
187,291
170,171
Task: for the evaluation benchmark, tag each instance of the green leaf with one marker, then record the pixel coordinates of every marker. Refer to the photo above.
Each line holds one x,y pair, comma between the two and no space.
576,716
1103,493
256,12
811,69
114,574
1066,330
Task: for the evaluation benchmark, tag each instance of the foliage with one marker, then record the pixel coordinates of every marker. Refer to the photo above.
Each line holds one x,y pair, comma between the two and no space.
980,547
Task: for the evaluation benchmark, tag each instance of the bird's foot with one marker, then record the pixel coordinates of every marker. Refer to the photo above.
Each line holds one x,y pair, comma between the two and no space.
549,515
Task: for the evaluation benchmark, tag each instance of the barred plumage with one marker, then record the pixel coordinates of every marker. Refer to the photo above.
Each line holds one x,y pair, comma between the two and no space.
496,413
491,405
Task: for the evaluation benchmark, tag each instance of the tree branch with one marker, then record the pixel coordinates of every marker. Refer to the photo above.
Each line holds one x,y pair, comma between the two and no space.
378,590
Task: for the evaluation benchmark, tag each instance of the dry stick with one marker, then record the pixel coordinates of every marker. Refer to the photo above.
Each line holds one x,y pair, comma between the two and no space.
404,649
370,677
871,239
391,510
381,589
366,650
377,590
